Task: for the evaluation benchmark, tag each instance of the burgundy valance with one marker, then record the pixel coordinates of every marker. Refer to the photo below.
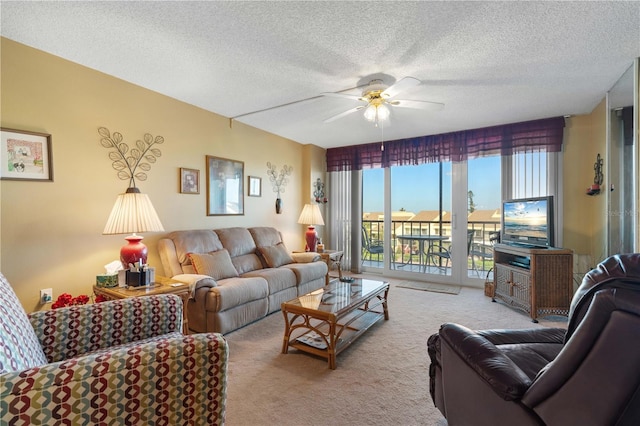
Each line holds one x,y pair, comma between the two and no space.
545,134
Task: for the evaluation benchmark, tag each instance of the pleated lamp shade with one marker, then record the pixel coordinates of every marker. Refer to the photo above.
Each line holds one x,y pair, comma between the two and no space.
133,213
311,215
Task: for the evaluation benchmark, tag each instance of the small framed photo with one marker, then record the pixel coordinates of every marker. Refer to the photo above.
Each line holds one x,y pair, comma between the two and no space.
25,155
255,186
189,181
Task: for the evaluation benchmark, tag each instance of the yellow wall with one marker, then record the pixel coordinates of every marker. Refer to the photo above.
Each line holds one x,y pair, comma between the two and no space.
51,232
584,216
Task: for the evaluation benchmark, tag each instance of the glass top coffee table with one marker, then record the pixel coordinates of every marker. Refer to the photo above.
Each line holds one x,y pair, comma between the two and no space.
326,321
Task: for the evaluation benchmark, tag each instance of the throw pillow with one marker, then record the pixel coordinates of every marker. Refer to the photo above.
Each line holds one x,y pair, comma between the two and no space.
276,256
216,264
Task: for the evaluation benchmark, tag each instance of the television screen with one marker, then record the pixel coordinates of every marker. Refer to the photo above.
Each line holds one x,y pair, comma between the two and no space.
528,221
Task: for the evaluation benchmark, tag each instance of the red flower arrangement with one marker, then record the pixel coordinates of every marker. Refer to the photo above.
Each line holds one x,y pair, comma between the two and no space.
65,299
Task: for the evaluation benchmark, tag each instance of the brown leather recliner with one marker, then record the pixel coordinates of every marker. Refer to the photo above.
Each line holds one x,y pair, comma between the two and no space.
586,375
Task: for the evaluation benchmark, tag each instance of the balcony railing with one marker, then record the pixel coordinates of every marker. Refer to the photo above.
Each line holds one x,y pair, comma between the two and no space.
408,252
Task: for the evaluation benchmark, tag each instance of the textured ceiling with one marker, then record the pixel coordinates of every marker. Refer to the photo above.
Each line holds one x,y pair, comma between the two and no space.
488,62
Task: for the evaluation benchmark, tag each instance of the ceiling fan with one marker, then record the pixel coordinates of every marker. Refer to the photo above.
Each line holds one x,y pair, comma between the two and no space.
378,97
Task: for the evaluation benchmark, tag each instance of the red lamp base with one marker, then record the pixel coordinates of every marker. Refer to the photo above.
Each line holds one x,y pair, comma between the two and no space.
312,238
133,252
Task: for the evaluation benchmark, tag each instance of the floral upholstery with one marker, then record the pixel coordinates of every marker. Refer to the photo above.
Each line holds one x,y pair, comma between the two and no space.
112,363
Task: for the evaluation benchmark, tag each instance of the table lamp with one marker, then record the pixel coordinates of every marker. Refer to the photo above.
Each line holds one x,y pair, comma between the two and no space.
132,213
311,216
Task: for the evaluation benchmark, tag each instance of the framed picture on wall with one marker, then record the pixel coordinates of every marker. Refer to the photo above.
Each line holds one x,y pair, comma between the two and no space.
25,155
225,186
189,181
255,186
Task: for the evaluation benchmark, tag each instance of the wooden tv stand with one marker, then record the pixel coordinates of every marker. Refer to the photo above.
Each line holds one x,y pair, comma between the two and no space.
538,281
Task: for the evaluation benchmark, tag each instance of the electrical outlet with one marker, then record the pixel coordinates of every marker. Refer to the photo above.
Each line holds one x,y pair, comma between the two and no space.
46,295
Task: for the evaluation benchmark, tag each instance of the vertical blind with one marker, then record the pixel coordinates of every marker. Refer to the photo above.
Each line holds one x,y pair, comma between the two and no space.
339,214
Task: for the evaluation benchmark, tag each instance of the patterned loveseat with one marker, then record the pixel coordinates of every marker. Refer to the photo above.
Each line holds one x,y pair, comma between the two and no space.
111,363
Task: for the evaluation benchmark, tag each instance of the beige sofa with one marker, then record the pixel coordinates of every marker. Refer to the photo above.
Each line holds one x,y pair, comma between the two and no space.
237,275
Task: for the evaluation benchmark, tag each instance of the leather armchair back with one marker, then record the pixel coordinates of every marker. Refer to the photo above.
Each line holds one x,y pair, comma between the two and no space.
597,372
618,271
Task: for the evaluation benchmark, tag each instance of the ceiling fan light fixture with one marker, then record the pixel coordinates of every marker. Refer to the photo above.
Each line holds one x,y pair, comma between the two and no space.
370,113
376,112
383,112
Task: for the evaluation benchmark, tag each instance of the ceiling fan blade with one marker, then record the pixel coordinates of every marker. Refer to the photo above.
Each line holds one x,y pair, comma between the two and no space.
343,95
425,105
400,86
343,114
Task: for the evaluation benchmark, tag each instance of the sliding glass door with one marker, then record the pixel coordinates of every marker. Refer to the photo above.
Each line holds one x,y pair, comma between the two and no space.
420,201
622,162
484,189
419,214
410,211
372,231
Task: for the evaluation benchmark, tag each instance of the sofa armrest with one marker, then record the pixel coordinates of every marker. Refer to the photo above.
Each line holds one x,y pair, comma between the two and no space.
502,375
178,380
195,282
169,257
306,257
70,332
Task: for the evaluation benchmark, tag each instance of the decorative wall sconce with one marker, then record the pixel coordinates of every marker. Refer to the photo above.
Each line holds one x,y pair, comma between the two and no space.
278,181
597,180
318,192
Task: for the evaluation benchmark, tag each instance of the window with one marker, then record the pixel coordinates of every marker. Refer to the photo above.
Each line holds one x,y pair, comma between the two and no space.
529,174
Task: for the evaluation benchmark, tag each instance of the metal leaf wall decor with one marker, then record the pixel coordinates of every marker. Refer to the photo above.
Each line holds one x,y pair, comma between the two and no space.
278,181
131,163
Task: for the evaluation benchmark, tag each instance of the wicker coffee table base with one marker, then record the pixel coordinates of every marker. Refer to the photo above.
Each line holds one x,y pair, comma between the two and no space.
329,332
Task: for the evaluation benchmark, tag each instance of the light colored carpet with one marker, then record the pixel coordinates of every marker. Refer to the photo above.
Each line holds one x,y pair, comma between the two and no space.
382,379
436,288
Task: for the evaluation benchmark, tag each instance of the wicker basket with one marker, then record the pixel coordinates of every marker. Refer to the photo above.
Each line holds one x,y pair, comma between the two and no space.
489,289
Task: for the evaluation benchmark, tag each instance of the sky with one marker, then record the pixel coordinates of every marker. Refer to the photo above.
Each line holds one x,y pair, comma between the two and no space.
415,188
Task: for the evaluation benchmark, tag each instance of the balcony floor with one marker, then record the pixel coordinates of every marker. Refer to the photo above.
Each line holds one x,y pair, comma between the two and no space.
430,269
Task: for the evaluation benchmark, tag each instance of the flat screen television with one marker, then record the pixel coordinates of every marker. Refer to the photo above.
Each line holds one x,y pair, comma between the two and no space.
528,222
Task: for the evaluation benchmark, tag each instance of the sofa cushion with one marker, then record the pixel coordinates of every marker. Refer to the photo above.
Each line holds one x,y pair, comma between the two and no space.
305,257
237,240
216,264
242,249
194,241
233,292
306,272
278,279
19,347
247,263
275,256
265,236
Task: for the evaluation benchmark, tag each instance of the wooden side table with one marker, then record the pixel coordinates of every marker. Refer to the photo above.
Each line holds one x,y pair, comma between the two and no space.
162,285
332,258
